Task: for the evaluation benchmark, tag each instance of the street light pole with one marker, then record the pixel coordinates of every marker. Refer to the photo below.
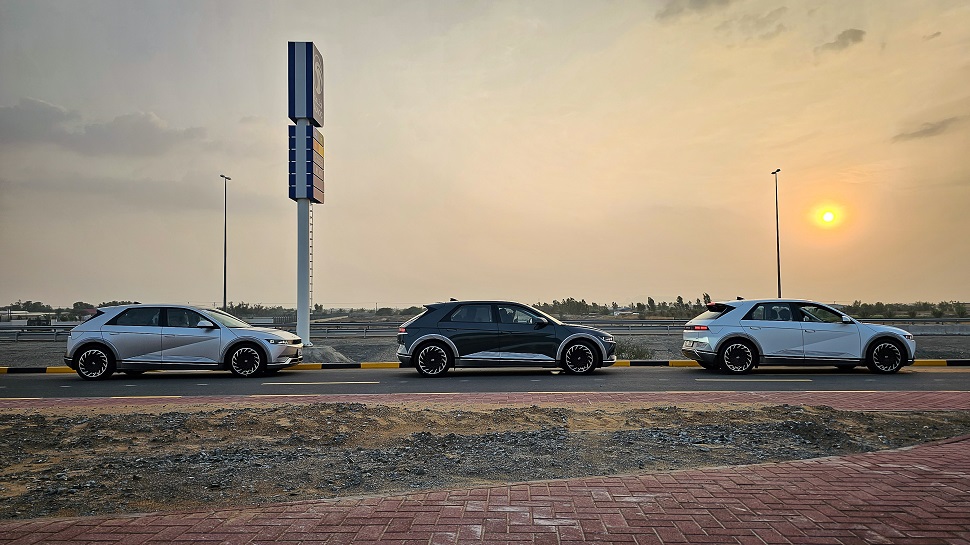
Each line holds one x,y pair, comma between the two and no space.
225,237
777,236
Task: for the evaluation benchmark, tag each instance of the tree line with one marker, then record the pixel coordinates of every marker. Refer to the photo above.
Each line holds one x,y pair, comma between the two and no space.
677,309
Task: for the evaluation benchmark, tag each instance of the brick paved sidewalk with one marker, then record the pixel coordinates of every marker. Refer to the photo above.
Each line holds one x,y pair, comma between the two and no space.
918,495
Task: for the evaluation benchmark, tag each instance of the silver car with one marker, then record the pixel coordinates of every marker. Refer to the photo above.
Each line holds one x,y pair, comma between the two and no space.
137,338
737,336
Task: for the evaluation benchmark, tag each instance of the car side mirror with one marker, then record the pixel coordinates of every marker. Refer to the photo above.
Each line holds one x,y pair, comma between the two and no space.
846,320
205,324
541,323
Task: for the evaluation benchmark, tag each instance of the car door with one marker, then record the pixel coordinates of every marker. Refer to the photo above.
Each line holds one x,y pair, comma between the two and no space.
472,330
136,334
772,326
523,337
183,341
826,336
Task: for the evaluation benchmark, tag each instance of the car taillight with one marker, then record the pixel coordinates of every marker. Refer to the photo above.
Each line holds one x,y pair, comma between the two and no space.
402,330
696,328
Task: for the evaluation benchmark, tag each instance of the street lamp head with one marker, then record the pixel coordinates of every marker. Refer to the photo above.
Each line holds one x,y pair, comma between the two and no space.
776,171
224,176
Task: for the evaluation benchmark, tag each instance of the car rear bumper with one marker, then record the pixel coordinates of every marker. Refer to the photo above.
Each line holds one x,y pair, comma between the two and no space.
699,355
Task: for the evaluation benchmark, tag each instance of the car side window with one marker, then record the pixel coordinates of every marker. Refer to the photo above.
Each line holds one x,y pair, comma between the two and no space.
814,313
145,317
515,315
181,317
772,312
472,313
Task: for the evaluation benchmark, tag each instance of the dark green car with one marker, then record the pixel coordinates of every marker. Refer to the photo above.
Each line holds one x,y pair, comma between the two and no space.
499,334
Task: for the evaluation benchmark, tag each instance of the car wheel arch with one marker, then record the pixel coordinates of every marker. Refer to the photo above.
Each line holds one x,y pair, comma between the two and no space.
95,343
568,341
432,337
876,339
231,347
759,353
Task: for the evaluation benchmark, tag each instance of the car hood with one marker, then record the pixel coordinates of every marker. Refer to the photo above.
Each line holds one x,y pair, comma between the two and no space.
263,333
573,328
887,329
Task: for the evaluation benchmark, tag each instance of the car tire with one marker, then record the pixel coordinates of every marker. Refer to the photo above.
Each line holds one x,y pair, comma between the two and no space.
885,357
737,357
246,360
94,362
433,360
580,358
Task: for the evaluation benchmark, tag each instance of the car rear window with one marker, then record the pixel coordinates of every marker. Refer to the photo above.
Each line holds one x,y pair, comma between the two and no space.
714,310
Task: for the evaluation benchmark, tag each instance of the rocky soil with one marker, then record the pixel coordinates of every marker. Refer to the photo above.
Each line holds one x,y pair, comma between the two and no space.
88,461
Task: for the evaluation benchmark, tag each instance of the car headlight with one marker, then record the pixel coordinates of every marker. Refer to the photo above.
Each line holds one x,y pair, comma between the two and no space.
908,336
278,341
606,338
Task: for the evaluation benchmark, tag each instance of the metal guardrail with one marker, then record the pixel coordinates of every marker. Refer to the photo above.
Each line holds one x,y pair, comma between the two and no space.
390,329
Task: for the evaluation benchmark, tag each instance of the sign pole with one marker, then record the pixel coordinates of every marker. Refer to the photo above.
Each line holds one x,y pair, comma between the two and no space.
305,109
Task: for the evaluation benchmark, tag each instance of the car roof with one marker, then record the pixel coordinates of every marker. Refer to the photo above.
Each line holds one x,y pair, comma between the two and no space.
152,305
771,300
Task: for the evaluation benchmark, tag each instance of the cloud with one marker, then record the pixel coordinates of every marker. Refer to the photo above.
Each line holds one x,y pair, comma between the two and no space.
843,41
932,36
674,9
928,130
34,121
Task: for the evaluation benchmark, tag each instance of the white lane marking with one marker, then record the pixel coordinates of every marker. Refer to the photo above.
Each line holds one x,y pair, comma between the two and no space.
202,384
753,379
63,386
310,383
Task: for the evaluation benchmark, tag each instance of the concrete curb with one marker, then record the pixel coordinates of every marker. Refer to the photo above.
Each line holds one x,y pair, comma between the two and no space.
396,365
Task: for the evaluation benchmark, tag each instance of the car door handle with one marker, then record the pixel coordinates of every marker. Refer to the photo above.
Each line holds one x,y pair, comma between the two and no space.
449,330
754,327
809,331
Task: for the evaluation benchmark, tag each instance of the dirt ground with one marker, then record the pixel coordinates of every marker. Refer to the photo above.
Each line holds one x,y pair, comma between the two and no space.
90,461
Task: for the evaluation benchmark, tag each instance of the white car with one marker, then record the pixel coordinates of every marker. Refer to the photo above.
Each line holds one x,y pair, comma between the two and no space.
737,336
137,338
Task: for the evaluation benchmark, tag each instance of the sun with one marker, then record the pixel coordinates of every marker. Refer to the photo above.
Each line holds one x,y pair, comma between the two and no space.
827,215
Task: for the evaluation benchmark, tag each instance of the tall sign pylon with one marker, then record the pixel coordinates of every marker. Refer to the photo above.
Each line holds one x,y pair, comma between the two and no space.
306,165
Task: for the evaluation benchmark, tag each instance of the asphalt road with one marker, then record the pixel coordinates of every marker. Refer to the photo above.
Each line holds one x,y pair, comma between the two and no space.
382,381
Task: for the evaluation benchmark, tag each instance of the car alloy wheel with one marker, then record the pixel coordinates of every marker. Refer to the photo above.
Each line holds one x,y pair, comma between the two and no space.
579,359
95,364
246,361
885,357
737,358
432,360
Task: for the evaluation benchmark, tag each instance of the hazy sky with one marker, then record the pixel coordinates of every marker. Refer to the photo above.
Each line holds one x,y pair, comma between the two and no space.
605,150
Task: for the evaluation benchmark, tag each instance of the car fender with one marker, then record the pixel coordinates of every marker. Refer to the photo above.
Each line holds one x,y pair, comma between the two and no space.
741,335
242,339
433,337
877,335
584,336
96,338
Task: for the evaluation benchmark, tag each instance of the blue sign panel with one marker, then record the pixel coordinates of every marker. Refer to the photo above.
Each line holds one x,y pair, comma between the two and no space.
305,88
306,163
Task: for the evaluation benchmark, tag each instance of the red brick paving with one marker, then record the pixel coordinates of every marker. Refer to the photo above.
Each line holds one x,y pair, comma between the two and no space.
918,495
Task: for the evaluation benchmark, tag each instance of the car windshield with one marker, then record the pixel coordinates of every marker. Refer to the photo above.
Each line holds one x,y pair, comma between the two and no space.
224,319
544,315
